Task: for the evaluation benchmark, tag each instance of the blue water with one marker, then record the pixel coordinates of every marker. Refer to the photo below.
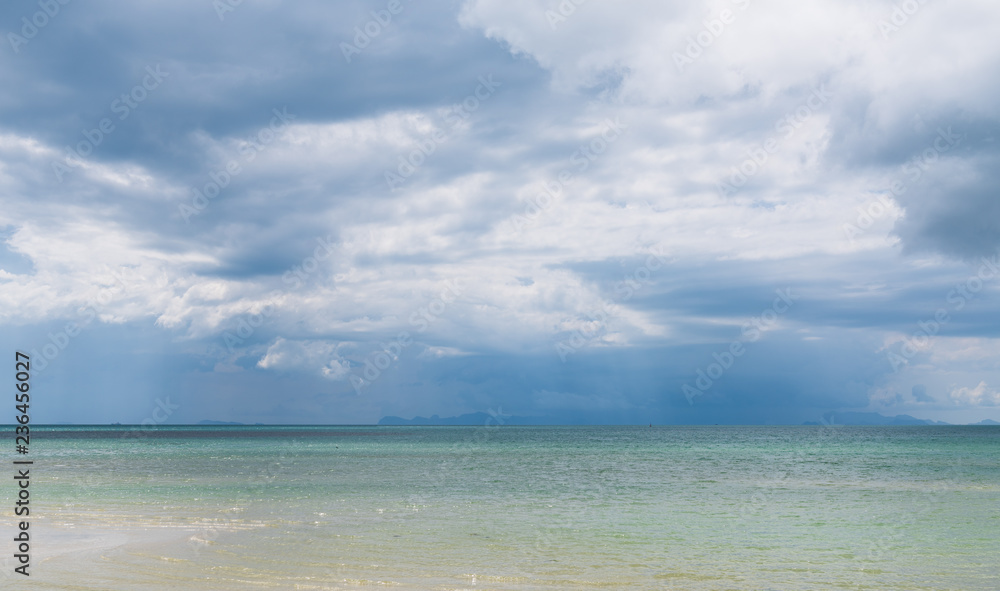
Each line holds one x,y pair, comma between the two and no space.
785,508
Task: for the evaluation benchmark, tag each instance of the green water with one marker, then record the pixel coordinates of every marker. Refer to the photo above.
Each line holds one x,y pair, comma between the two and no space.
445,508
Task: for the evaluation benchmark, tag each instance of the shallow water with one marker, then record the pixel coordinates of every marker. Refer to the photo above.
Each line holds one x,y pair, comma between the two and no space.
515,508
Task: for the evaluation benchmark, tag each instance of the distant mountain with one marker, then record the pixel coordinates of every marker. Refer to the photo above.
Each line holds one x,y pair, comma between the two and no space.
478,418
872,418
986,422
218,423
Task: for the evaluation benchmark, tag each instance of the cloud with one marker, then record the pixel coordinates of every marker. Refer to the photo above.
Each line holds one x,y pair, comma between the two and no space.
776,145
311,356
920,394
981,395
735,80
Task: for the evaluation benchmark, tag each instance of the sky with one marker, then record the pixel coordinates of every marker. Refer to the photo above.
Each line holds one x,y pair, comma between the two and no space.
735,211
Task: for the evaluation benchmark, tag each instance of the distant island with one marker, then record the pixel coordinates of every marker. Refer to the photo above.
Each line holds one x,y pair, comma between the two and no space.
222,423
832,418
478,418
872,418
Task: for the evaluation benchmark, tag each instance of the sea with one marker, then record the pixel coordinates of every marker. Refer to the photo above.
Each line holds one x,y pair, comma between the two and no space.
509,508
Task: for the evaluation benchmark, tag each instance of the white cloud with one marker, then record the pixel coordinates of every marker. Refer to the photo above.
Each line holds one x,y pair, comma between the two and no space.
318,357
981,395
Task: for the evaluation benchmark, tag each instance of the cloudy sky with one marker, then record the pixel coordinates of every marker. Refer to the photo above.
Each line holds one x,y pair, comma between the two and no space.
734,211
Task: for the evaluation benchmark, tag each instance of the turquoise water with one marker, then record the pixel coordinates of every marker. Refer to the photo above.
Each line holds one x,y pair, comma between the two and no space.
446,508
